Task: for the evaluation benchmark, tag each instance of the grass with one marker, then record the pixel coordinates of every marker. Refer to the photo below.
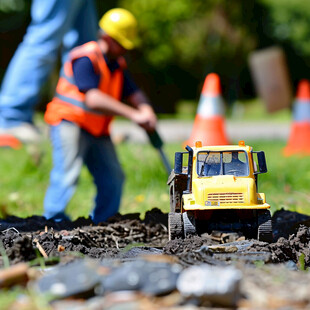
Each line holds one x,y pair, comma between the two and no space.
7,297
23,181
250,110
255,110
286,183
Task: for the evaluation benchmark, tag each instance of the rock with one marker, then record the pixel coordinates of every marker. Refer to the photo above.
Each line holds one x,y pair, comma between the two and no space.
149,277
77,279
220,286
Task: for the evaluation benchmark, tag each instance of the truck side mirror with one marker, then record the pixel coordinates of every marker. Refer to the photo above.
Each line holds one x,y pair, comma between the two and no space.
261,162
178,162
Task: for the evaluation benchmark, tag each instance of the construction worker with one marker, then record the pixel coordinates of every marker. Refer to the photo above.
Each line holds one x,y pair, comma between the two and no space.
90,91
56,26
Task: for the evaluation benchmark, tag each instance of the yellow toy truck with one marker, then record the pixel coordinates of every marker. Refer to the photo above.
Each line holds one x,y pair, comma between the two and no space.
218,190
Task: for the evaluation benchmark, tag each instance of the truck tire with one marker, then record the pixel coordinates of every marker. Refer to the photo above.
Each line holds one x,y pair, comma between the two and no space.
175,226
189,225
264,230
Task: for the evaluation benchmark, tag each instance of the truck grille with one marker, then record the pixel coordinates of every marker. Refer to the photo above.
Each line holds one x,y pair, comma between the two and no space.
226,197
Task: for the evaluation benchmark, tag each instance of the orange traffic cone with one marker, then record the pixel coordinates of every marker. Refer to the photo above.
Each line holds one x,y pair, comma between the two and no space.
299,139
209,121
9,141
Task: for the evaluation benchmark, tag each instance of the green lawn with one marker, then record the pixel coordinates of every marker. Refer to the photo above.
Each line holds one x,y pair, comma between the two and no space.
249,110
23,181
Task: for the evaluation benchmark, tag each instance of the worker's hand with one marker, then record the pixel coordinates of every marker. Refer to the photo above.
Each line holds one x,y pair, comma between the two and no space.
145,117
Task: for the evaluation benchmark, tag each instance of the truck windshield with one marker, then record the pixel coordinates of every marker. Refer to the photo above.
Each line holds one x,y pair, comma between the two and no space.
222,163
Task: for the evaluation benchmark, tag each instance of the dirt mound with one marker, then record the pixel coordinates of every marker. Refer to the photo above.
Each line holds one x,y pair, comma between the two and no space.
22,238
286,223
296,248
35,222
187,245
107,240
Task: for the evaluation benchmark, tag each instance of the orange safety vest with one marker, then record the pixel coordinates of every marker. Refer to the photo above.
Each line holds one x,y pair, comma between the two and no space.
69,103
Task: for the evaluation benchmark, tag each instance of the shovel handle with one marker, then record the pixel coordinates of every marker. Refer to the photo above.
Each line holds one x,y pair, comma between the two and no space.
155,139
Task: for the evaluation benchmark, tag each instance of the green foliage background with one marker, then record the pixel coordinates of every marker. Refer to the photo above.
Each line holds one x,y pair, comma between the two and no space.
290,22
183,40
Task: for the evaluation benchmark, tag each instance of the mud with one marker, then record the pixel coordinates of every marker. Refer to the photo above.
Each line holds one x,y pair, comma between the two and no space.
125,236
107,240
296,248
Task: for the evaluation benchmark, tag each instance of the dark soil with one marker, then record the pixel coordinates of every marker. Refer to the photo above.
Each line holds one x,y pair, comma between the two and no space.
125,237
22,237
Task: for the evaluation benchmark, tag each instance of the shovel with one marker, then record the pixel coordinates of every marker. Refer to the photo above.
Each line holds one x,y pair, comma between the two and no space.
158,143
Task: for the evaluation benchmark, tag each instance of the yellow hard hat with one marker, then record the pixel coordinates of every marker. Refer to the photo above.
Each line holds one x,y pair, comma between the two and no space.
120,25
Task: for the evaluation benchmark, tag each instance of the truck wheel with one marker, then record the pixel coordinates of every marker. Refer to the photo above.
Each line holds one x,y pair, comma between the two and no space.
264,231
189,225
175,226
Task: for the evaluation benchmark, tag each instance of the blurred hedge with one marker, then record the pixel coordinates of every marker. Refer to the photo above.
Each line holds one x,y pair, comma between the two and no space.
183,40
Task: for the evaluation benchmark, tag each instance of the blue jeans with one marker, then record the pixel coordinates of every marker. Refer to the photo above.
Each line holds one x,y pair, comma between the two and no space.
72,147
55,25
